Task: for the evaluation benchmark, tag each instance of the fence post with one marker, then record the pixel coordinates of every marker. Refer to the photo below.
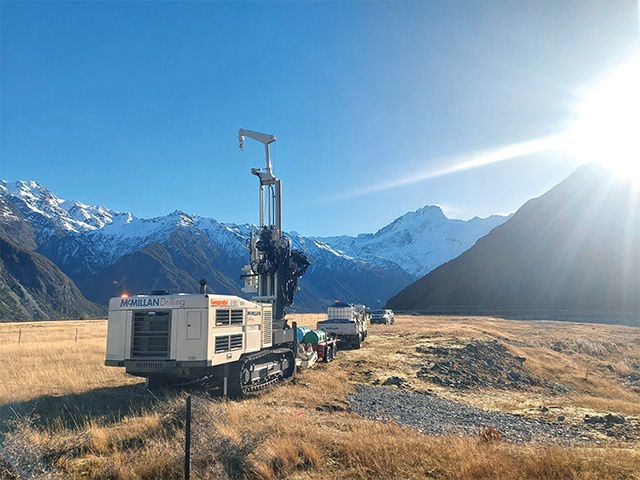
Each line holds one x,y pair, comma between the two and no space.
187,441
19,336
225,381
294,327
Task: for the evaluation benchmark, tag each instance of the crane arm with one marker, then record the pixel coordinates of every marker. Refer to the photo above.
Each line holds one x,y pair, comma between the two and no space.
260,137
266,175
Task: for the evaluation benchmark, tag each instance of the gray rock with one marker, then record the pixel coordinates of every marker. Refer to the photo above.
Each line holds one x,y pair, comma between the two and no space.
437,416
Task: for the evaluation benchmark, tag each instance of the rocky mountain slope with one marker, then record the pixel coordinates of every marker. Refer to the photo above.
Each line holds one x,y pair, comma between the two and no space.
575,248
33,287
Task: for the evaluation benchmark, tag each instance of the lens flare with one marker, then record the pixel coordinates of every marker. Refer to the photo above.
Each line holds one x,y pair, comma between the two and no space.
460,163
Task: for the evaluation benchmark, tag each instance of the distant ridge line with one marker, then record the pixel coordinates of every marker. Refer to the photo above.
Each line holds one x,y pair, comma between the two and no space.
622,317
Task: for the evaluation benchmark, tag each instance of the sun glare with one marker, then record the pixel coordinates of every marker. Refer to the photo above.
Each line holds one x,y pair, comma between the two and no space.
608,131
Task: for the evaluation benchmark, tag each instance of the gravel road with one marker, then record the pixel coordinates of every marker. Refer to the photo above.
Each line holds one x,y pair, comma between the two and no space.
436,416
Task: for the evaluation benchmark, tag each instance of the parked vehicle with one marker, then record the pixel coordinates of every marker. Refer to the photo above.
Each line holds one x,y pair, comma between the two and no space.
347,322
386,317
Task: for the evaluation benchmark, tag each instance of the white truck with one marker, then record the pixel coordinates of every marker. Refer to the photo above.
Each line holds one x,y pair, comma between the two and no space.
347,322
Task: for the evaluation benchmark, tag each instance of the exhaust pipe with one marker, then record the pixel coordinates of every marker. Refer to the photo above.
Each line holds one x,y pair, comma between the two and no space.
203,287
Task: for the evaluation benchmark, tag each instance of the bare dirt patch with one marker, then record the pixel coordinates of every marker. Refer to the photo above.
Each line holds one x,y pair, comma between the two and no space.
478,364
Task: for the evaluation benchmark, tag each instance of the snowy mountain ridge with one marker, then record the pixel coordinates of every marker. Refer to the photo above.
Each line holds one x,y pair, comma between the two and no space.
72,216
102,250
418,241
110,233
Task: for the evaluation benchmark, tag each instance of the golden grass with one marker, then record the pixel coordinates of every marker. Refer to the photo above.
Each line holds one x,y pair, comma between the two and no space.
305,429
54,358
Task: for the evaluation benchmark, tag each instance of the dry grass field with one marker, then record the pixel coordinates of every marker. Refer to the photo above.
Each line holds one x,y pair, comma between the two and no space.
67,416
54,358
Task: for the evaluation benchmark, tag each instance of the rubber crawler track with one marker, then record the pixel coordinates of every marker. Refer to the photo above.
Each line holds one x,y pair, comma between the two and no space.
236,389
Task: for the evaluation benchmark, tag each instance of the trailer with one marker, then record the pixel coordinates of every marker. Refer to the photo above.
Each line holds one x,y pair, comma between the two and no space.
324,344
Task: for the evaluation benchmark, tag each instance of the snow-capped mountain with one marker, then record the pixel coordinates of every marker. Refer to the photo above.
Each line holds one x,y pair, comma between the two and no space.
106,252
70,216
417,241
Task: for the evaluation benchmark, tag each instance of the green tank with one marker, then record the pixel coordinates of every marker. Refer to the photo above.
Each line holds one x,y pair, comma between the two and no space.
314,337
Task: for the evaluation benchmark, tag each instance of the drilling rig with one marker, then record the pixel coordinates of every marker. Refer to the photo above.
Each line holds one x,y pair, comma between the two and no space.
274,268
244,345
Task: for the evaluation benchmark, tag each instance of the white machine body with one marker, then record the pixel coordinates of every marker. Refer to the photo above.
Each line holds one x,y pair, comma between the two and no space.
179,334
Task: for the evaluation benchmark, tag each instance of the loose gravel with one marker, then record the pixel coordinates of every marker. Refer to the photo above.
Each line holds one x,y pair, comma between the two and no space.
437,416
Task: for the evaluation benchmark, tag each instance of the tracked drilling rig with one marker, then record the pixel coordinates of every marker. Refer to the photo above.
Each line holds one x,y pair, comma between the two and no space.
245,345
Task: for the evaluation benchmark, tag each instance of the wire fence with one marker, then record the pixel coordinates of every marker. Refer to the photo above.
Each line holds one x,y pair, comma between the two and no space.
51,331
21,458
74,335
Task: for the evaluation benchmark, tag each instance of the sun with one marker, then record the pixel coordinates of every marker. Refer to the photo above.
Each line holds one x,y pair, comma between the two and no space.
608,130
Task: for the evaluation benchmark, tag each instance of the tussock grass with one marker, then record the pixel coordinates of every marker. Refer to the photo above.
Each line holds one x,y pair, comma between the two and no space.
103,425
54,358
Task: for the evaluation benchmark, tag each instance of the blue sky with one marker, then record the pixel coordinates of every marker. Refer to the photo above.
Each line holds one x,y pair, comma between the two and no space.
136,105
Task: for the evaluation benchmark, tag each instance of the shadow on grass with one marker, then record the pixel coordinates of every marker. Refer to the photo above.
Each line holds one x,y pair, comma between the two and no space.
103,405
73,410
